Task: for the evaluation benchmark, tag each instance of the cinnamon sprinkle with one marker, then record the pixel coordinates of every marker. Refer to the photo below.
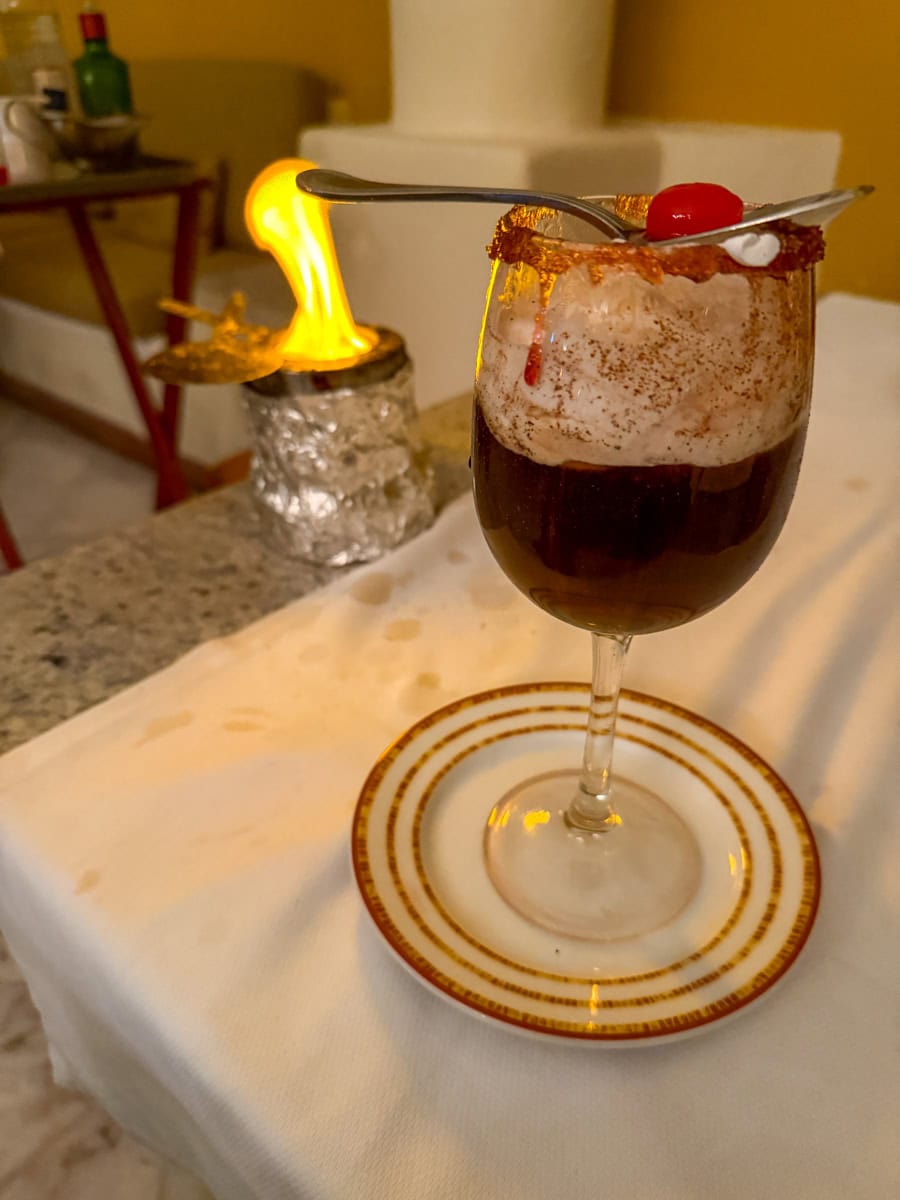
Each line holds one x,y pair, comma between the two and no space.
517,241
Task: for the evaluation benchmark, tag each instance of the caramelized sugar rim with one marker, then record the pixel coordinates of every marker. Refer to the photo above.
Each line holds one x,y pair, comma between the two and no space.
517,240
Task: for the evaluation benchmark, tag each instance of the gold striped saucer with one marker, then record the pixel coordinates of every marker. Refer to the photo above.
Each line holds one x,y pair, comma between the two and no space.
418,859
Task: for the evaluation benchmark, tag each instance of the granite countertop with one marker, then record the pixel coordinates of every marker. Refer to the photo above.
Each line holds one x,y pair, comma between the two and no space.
78,628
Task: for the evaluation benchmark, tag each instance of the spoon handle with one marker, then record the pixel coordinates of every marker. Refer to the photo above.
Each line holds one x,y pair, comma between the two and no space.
348,189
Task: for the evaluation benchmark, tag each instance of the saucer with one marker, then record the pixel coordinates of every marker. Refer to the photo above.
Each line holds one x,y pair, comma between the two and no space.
419,863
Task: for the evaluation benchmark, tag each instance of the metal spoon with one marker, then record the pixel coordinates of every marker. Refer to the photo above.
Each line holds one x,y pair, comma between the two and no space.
348,189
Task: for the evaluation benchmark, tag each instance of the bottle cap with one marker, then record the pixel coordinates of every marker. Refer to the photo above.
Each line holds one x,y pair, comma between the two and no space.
56,100
93,25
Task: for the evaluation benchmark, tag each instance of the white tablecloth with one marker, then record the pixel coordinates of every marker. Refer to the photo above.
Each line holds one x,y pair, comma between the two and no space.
175,879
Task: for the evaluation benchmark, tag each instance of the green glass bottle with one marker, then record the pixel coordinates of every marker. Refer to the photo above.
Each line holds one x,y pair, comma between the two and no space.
102,78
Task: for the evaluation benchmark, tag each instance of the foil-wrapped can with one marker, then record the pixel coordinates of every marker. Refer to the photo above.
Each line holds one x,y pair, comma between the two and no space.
339,475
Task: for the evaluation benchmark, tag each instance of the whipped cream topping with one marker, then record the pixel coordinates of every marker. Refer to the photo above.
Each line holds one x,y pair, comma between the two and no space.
753,249
639,372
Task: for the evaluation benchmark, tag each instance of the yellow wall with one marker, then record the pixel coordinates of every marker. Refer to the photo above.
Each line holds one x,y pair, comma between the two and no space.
825,64
813,64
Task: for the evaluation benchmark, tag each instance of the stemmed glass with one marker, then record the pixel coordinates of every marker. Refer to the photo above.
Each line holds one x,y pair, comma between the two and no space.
638,427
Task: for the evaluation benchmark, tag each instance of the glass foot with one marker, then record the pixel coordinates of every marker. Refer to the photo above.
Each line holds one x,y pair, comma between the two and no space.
625,881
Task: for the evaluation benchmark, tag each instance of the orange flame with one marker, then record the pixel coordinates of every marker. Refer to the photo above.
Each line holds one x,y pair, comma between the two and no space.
295,229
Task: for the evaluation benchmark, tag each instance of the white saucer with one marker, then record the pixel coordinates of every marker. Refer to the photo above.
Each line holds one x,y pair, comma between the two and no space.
419,864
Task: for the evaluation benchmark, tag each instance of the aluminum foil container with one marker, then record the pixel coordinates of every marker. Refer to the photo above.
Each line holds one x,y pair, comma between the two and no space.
339,475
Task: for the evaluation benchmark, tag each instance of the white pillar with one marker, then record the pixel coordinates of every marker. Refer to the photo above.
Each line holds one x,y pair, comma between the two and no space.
499,68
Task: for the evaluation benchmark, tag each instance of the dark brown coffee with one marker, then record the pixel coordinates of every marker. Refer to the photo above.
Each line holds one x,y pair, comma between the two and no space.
630,549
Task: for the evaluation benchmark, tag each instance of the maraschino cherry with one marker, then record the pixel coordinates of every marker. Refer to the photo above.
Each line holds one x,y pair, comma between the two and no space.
691,208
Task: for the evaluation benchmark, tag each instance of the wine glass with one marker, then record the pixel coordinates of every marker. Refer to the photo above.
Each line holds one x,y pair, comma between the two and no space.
638,427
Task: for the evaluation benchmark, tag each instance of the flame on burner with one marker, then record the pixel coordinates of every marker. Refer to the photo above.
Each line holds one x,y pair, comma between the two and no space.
295,229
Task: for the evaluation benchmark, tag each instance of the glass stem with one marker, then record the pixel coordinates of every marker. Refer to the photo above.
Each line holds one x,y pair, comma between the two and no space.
592,809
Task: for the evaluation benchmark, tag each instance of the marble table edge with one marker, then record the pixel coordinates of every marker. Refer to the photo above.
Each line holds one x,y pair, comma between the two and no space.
78,627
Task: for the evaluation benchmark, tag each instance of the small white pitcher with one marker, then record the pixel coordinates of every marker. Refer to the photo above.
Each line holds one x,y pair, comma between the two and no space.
27,145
